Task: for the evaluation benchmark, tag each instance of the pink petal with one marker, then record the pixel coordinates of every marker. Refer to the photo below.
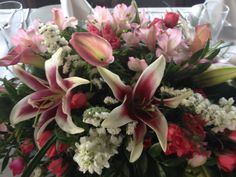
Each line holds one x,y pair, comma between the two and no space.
64,119
117,117
31,81
157,122
118,88
149,81
152,38
72,82
51,69
140,131
44,120
12,58
24,110
92,48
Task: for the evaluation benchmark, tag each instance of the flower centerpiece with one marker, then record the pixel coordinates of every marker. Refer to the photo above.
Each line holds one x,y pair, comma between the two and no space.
122,95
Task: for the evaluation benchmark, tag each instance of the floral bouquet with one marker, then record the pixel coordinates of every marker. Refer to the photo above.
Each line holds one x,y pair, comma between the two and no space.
119,96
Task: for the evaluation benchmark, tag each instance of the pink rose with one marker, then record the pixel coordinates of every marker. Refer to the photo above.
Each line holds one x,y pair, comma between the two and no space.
171,19
57,167
227,161
27,146
17,166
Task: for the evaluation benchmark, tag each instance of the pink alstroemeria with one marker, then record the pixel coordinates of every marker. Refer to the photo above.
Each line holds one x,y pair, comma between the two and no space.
149,37
61,21
123,16
136,64
51,100
28,46
92,48
139,104
100,17
131,39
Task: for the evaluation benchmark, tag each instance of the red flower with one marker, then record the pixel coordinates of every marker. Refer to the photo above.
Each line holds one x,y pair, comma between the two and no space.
17,166
110,36
57,167
53,150
78,100
27,146
171,19
227,161
194,124
93,29
232,135
178,142
157,21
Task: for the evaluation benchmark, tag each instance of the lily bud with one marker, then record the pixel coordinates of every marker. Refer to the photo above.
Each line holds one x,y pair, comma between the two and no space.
215,76
92,48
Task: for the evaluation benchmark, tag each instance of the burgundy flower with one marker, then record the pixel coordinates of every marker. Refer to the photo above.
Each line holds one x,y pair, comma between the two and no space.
171,19
93,29
57,167
17,166
227,161
194,124
27,146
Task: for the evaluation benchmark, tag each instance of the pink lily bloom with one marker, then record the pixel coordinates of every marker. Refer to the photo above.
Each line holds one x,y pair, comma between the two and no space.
51,99
61,21
139,105
94,49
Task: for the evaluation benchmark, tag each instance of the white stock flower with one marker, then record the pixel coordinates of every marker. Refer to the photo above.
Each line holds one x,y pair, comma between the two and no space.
94,151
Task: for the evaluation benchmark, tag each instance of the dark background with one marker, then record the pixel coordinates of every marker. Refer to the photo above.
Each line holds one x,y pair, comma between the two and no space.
112,3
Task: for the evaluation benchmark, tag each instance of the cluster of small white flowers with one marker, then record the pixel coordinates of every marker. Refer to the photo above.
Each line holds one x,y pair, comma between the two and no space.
130,128
52,39
95,115
173,92
110,101
94,151
37,172
221,116
113,131
130,144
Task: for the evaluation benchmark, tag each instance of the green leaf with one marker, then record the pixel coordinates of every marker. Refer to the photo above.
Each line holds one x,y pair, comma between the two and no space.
155,150
6,105
161,171
5,161
36,160
174,162
11,90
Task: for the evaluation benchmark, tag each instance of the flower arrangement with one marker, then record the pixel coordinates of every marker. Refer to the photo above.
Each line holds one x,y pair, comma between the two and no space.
122,95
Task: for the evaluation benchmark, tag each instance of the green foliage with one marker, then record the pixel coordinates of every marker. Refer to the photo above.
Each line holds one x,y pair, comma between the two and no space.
6,105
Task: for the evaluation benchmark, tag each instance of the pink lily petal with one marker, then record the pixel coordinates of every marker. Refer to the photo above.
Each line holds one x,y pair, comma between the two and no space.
175,101
64,121
12,58
30,80
44,120
92,48
117,117
51,68
158,123
72,82
149,81
118,88
139,134
26,108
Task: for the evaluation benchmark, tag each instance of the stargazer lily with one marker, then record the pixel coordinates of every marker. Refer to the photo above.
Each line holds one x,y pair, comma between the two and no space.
140,105
51,99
